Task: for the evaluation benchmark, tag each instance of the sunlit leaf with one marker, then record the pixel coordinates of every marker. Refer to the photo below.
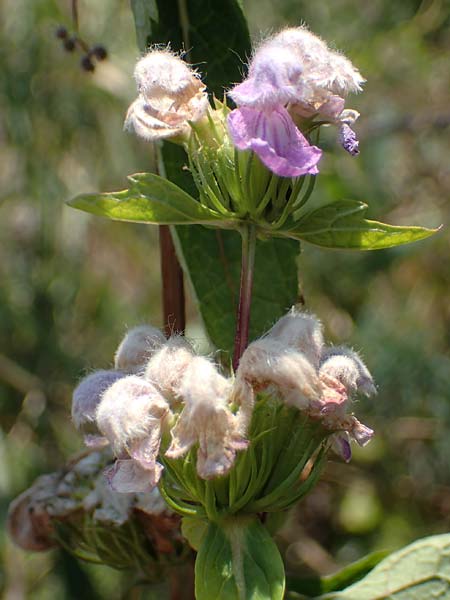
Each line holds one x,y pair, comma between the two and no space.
150,199
420,571
238,561
342,225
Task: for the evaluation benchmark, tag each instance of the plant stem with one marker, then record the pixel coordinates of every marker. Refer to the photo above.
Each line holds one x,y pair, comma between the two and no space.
172,284
248,234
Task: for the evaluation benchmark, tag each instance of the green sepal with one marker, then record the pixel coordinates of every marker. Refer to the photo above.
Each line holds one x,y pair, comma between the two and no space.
238,560
342,225
150,199
420,571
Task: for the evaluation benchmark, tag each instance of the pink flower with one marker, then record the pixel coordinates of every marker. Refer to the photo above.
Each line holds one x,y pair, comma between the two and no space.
275,139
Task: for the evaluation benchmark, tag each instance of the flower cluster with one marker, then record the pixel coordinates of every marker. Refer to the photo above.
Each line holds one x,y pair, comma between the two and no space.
293,76
295,83
162,399
292,361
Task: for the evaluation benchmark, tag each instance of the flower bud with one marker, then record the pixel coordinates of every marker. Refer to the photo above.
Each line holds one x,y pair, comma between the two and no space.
139,344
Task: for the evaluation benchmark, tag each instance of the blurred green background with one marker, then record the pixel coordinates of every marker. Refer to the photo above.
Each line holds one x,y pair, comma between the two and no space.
70,283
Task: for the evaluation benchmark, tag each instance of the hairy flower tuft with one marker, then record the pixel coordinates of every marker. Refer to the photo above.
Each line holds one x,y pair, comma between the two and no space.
170,95
166,367
206,419
136,348
131,415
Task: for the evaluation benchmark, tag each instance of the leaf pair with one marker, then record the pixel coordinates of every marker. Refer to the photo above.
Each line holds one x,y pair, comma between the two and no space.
155,200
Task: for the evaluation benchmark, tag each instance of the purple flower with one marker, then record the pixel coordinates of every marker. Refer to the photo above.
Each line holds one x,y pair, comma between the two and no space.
273,79
347,139
274,137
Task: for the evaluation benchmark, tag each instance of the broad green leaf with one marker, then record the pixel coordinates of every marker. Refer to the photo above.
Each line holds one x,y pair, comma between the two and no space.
238,560
342,225
194,530
337,581
419,571
145,13
150,199
212,260
200,30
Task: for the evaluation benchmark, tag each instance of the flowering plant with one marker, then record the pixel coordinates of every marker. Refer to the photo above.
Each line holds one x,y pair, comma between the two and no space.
224,444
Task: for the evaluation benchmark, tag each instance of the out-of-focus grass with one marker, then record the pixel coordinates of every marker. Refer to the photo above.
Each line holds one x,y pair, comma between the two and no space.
70,283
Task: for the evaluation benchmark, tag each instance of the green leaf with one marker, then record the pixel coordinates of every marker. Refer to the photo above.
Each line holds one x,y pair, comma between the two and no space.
342,225
145,13
150,199
200,30
420,571
337,581
212,260
238,560
194,530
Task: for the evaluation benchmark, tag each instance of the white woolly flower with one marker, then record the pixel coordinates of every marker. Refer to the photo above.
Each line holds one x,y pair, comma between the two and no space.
139,344
131,415
207,420
166,368
270,364
300,331
170,95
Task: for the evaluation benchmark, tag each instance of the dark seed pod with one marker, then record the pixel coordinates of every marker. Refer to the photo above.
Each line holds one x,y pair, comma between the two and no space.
87,64
69,44
99,52
61,32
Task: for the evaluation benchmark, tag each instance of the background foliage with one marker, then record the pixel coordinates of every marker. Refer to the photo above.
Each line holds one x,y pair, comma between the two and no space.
71,283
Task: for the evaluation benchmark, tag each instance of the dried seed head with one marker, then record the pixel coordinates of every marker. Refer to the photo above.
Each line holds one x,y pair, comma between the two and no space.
28,522
137,347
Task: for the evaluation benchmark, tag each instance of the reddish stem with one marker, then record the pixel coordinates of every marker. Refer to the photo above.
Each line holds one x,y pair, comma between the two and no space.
245,293
172,284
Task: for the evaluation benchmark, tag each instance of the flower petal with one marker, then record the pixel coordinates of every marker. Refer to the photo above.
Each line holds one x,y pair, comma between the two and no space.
348,140
274,137
340,443
127,476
